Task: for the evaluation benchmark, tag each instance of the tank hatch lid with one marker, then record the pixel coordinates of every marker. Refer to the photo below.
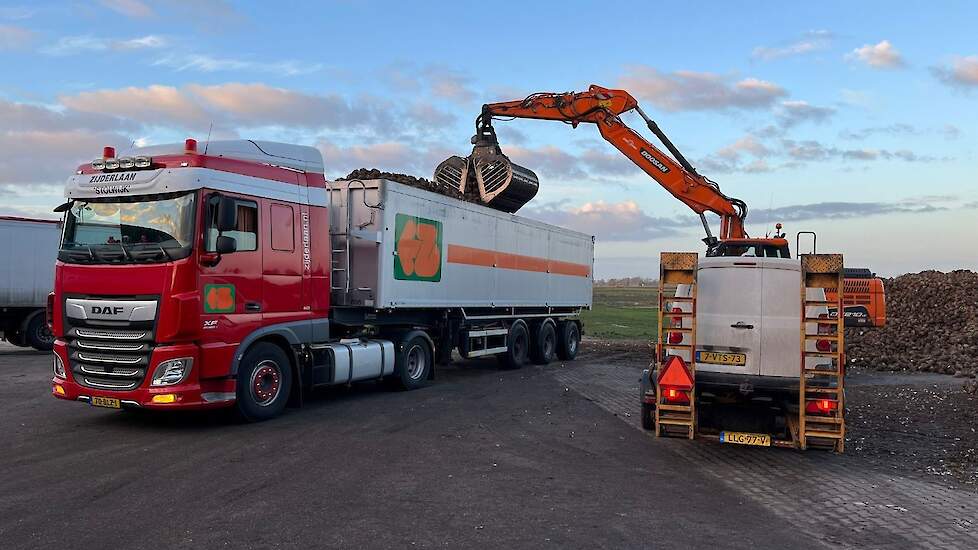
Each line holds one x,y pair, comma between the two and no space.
297,157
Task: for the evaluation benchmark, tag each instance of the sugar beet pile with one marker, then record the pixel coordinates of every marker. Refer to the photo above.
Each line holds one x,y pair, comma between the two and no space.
420,183
932,325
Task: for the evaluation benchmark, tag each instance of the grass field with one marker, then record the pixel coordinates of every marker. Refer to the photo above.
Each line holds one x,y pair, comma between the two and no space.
627,313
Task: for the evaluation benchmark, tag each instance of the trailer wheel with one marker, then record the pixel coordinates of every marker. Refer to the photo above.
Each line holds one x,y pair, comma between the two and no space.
517,346
413,362
568,340
648,414
264,382
545,344
38,335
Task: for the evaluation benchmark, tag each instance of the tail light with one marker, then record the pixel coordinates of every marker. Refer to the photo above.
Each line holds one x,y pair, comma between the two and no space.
821,406
673,395
823,346
49,312
676,337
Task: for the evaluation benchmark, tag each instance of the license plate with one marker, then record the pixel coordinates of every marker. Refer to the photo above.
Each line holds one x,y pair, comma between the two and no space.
108,402
741,438
721,358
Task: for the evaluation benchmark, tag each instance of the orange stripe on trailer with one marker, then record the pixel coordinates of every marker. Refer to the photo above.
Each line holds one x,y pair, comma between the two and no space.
458,254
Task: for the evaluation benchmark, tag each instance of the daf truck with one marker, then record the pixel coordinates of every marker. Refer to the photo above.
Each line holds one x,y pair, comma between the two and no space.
238,276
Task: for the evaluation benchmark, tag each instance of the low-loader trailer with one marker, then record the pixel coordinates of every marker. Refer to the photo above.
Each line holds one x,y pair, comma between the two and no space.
238,276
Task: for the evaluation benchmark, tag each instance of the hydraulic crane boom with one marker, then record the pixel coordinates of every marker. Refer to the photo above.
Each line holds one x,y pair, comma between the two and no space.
602,107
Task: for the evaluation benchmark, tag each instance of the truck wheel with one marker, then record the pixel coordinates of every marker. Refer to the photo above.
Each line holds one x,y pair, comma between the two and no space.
517,346
264,382
648,416
38,335
568,340
413,362
545,344
15,338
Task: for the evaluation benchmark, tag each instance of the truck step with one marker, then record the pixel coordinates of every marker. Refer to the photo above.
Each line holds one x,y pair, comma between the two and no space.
826,435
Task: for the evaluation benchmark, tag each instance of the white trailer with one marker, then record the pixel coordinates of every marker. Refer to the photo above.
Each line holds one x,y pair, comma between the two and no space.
28,248
402,254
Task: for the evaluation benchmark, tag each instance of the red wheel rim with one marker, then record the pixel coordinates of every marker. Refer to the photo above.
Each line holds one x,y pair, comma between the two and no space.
266,383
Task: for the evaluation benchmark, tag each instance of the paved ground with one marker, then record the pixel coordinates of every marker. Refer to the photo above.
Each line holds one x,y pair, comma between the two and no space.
481,458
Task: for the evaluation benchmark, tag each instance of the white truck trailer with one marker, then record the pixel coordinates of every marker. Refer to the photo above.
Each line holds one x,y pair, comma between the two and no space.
28,248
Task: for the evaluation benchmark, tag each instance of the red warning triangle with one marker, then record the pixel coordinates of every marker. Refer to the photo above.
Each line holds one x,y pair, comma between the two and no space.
675,374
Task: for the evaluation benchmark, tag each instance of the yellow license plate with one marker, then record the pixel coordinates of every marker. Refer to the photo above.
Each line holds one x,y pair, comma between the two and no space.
741,438
108,402
721,358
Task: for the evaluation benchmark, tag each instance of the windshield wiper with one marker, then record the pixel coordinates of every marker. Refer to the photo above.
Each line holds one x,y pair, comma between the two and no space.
165,252
125,251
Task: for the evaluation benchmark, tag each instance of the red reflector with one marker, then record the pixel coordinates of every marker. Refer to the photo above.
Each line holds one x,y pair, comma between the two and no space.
821,406
108,152
675,374
823,345
676,337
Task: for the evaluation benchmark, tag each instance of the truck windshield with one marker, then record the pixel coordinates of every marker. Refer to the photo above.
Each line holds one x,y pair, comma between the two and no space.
147,229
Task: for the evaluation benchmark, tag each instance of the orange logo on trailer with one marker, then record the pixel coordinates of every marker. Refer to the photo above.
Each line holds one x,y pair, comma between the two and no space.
417,244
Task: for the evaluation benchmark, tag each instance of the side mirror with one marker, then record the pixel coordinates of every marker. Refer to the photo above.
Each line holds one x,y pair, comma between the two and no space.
227,214
226,245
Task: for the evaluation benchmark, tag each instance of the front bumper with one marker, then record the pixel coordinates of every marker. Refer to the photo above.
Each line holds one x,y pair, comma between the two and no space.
190,394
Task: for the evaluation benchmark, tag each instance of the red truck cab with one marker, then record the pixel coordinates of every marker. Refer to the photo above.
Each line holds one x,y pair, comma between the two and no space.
164,273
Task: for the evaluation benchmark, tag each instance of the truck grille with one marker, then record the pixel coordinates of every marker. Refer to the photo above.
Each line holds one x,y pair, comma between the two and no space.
107,357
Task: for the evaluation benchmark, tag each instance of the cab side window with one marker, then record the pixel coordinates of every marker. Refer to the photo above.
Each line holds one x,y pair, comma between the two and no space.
245,233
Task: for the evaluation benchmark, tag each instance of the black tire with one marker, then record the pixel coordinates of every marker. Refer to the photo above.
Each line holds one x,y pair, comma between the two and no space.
568,340
264,382
38,335
413,362
544,346
648,413
15,338
517,346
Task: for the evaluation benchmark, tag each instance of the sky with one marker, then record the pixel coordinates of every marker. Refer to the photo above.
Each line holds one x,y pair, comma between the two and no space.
856,120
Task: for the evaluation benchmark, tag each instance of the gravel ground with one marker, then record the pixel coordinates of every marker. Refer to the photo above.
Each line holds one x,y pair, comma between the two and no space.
919,424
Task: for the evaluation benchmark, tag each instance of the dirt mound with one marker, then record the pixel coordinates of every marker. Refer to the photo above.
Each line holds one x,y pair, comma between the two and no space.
420,183
931,325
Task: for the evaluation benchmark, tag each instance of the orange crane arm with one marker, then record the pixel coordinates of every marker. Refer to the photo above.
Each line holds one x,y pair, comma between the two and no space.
602,107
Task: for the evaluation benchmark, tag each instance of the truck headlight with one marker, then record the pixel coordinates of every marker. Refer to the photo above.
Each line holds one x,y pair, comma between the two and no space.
172,371
59,366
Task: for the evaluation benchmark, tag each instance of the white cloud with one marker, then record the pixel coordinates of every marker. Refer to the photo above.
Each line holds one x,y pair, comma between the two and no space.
387,157
879,56
73,45
811,41
791,113
209,64
229,105
689,91
129,8
15,38
962,72
621,221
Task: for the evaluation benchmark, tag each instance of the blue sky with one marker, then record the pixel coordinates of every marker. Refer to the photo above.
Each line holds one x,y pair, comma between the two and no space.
856,120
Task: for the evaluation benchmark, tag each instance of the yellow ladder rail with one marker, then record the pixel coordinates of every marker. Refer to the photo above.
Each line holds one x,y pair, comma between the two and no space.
821,276
676,268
